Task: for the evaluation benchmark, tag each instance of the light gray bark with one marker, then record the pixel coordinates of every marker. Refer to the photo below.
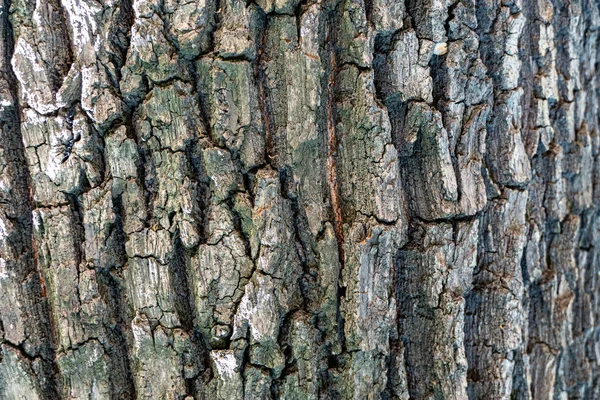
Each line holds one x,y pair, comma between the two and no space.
350,199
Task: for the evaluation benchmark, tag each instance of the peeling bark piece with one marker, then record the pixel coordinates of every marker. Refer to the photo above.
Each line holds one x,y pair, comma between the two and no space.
431,181
364,143
192,24
42,54
428,18
404,73
510,165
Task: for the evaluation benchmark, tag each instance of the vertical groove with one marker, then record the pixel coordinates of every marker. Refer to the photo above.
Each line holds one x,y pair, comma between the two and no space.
338,222
332,178
259,72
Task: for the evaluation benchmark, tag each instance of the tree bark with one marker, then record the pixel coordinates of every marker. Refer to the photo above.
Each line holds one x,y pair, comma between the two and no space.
291,199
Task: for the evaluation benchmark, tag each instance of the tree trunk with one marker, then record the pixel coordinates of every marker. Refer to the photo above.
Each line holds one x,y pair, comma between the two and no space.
288,199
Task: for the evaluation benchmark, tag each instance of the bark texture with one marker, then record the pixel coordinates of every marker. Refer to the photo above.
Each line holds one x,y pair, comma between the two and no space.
299,199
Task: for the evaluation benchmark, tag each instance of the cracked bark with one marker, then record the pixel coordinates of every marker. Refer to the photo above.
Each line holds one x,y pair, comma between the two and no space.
350,199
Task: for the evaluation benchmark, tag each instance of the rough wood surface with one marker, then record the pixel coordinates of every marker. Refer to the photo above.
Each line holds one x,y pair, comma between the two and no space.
292,199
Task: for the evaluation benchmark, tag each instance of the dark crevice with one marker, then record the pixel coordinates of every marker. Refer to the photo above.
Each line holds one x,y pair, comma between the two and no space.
216,23
284,340
437,73
60,49
304,243
76,221
396,344
451,16
184,306
265,109
334,191
180,285
298,16
203,193
146,176
111,289
369,11
110,286
120,37
332,144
